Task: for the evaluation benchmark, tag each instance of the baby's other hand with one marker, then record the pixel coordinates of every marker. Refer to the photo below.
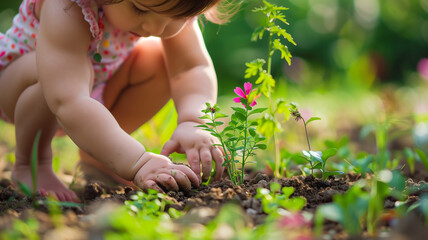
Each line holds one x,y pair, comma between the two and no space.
199,148
160,171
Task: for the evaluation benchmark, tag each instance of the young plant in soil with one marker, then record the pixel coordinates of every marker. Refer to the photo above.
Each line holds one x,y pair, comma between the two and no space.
316,159
240,138
269,125
274,201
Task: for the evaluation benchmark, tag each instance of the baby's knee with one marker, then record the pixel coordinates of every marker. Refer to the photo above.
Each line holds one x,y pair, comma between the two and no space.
149,60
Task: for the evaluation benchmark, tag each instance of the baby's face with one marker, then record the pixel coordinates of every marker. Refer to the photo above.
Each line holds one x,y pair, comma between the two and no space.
141,17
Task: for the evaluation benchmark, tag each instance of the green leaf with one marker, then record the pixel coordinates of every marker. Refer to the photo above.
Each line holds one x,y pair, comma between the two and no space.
232,139
287,191
220,115
285,54
299,159
274,186
205,117
254,67
34,161
258,33
25,189
238,109
314,156
312,119
326,154
240,116
257,110
228,128
422,157
294,204
215,134
261,146
252,132
218,123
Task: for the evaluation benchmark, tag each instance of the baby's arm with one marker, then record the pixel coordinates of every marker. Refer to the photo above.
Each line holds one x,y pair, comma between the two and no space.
65,73
193,83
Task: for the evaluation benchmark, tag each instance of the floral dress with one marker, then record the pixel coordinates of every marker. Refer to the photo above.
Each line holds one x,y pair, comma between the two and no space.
108,50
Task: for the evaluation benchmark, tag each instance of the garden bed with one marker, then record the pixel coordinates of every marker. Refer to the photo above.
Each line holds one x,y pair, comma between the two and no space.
201,206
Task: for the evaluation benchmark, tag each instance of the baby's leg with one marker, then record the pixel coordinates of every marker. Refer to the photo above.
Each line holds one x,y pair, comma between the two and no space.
23,102
138,90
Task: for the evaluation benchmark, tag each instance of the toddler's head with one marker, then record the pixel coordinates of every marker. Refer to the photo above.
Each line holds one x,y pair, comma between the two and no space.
182,8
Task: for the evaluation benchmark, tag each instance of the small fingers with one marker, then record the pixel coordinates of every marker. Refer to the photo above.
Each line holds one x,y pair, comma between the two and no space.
167,181
190,175
150,184
169,147
182,180
194,162
218,159
206,161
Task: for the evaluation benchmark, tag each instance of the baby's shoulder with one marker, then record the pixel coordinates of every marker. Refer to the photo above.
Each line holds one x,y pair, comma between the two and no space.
63,21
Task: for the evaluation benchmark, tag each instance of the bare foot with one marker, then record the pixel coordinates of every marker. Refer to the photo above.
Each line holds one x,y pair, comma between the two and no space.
47,182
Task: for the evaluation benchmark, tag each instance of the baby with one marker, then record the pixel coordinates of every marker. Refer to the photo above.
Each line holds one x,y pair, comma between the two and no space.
88,67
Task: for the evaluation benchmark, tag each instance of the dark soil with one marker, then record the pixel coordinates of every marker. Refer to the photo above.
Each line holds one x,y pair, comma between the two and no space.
14,204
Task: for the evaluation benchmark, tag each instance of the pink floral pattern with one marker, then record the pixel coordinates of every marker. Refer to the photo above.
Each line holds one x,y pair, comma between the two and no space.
113,45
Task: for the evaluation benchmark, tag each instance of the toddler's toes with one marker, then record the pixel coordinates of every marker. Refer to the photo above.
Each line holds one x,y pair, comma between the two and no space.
52,195
61,196
74,197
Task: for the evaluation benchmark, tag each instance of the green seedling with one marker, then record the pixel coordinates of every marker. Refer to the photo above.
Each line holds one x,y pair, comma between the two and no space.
348,209
143,217
316,159
22,230
274,200
273,26
422,157
150,204
239,139
361,163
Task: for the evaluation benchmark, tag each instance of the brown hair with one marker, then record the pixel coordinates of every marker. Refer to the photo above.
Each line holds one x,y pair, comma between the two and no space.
216,11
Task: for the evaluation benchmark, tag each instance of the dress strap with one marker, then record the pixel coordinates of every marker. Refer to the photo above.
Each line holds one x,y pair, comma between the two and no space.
93,15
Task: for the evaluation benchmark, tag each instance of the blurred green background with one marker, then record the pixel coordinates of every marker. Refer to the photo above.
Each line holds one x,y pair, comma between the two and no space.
355,65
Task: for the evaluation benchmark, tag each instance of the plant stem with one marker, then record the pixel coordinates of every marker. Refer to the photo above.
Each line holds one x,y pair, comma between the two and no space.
34,157
269,62
307,135
228,157
277,156
245,145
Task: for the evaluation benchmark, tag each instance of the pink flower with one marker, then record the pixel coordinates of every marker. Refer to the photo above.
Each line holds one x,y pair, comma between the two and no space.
423,68
247,87
294,220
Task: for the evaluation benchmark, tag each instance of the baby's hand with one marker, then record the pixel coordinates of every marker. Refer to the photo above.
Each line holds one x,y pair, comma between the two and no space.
160,171
198,146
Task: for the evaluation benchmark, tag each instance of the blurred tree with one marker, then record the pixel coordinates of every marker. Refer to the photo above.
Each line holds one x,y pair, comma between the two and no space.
339,42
